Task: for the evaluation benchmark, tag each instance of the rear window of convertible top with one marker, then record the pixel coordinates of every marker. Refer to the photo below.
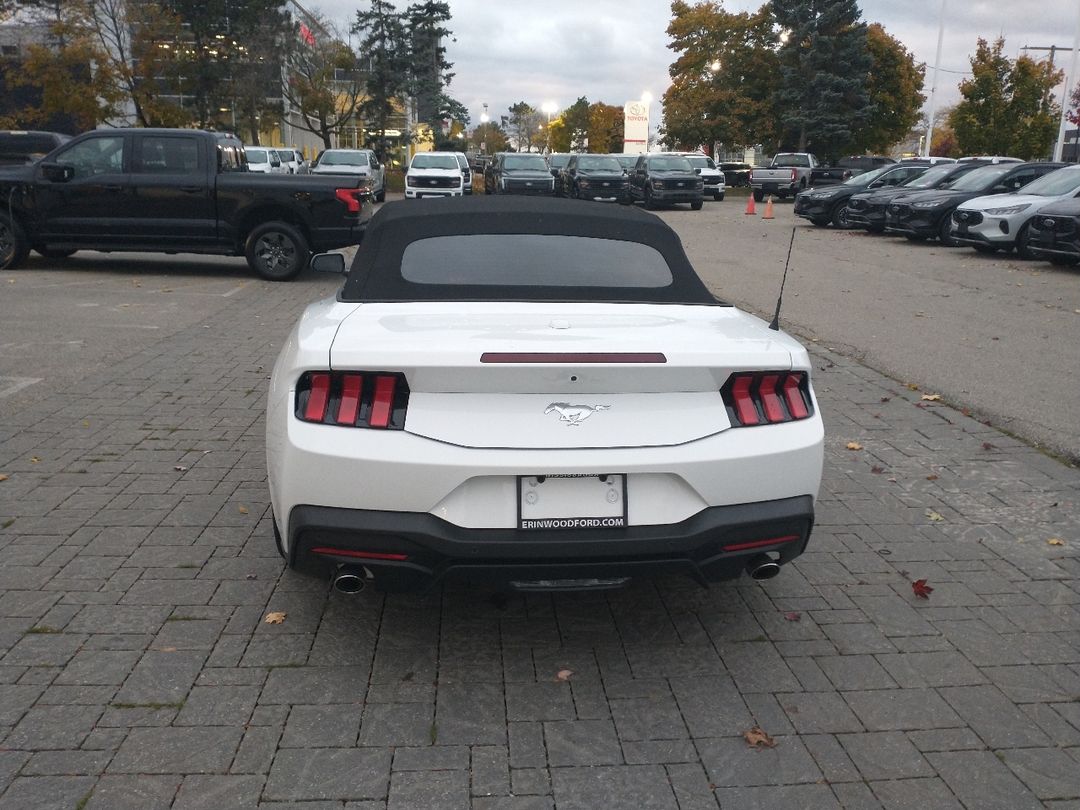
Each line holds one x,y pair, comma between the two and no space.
533,260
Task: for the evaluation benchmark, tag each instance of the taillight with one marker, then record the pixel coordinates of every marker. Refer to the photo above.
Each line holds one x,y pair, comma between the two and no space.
794,175
352,197
366,399
767,397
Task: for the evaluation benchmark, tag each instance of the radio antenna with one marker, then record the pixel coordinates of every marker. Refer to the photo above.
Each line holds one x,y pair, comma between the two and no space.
775,325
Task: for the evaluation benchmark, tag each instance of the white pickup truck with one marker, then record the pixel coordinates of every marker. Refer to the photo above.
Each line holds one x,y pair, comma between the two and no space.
789,173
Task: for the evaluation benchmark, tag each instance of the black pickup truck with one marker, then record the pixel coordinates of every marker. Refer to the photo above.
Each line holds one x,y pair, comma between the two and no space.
174,191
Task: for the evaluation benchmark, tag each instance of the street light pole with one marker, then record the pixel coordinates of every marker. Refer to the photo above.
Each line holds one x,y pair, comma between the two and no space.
933,91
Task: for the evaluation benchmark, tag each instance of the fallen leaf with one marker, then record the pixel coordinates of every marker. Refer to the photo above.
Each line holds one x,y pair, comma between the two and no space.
1055,541
3,477
920,404
793,616
885,399
877,470
564,674
86,423
931,478
243,509
931,397
854,446
757,738
930,513
913,386
275,617
34,460
180,468
988,446
921,589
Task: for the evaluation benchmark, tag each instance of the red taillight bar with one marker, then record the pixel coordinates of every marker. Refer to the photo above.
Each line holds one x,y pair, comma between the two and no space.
315,409
384,398
351,198
772,541
573,357
362,399
363,555
767,397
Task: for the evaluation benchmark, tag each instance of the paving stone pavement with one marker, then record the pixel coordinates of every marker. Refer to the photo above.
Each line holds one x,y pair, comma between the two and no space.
136,670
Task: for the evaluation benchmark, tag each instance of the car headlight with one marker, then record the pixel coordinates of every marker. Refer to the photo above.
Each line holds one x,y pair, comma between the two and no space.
1009,209
926,204
822,195
409,180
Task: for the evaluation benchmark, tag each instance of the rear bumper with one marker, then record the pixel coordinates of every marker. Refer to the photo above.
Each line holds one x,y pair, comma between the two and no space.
437,551
333,238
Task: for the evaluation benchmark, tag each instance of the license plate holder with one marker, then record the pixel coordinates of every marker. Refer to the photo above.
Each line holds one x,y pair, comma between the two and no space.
572,501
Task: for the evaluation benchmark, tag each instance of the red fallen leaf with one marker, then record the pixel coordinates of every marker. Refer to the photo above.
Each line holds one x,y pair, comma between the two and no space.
988,446
921,589
877,470
793,616
757,738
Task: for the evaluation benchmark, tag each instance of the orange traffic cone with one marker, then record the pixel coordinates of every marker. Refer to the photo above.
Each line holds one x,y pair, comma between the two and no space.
768,209
750,209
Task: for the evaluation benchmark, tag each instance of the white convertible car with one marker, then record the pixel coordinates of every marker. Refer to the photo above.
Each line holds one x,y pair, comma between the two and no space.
539,394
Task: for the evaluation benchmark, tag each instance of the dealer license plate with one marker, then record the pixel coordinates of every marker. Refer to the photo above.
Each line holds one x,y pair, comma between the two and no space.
571,502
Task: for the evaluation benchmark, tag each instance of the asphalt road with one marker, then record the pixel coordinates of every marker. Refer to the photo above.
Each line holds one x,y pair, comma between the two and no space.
992,334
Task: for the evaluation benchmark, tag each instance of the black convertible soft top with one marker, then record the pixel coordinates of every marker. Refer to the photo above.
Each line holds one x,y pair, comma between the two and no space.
516,248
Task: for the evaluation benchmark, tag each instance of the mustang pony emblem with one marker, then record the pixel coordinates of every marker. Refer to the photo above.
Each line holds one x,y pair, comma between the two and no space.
574,414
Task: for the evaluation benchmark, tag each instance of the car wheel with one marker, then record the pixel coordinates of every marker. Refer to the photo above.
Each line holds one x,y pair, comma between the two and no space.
277,251
719,197
648,199
1023,249
840,217
13,245
696,205
54,253
759,196
945,231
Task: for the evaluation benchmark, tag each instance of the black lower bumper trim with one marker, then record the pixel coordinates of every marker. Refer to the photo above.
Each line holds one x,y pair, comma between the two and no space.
436,550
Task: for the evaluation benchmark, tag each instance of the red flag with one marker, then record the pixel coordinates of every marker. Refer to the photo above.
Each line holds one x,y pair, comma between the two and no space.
306,34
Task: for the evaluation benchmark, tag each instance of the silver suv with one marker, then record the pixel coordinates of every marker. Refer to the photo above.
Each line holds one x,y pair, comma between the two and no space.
360,163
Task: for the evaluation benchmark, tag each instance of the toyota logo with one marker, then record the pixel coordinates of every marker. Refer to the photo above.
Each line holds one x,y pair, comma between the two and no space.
635,108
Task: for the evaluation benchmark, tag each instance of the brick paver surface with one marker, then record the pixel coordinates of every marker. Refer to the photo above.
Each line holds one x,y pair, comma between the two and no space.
136,670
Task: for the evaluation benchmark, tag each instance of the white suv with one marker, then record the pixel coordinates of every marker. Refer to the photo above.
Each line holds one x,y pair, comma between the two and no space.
434,174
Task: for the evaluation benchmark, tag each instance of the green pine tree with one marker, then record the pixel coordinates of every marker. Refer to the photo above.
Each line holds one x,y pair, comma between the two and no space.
824,67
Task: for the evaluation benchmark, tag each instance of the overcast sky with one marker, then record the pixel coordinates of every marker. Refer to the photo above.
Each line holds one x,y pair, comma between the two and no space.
614,50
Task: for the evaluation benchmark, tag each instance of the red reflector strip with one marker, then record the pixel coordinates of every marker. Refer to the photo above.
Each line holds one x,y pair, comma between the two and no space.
350,399
787,538
744,405
364,555
770,402
571,357
384,398
317,397
794,397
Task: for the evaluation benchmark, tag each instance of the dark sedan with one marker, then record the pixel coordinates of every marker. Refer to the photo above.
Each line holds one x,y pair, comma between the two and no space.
594,177
929,213
866,209
1054,233
829,204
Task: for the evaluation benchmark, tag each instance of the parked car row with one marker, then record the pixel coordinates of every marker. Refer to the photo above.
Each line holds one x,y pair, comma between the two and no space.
654,179
991,204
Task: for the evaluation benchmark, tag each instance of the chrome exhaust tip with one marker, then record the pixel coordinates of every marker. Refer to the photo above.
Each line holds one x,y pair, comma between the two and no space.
762,567
350,580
